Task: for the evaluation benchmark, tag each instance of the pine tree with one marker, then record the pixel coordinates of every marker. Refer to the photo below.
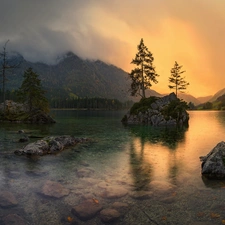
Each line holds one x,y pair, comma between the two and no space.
32,93
144,74
178,82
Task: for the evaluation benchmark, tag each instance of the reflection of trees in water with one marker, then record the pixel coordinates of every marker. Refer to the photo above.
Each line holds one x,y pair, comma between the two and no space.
168,136
141,167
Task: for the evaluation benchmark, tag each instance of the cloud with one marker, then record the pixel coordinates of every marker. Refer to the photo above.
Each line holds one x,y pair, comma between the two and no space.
190,32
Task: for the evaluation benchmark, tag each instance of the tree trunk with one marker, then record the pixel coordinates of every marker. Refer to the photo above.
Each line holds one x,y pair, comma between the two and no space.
142,82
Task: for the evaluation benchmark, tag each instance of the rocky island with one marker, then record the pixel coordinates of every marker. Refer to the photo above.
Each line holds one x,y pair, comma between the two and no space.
156,111
49,145
18,112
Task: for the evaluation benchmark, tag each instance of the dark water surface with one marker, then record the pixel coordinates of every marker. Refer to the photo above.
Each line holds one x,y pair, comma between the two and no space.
158,168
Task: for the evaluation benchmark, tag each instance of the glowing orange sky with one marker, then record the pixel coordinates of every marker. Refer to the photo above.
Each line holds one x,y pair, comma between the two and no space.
190,32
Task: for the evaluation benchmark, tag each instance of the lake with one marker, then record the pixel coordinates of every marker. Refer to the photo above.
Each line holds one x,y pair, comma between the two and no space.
149,175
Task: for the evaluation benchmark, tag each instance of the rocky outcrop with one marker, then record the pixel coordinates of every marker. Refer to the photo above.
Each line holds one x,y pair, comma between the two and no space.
49,145
163,111
213,164
16,112
39,117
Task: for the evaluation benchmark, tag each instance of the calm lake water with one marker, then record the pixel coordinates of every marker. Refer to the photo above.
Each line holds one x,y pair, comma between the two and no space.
157,169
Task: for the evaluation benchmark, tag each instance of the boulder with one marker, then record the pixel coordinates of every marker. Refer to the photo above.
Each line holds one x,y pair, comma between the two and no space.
213,164
49,145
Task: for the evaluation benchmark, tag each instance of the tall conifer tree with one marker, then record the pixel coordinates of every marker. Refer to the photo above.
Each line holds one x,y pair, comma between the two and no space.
32,93
144,74
177,82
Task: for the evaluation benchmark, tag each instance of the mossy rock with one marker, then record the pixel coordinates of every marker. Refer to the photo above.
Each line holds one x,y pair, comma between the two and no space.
143,105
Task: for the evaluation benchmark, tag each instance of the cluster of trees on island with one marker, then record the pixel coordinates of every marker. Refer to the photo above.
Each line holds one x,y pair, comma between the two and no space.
144,74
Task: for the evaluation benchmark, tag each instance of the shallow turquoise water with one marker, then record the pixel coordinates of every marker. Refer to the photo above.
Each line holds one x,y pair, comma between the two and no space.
163,163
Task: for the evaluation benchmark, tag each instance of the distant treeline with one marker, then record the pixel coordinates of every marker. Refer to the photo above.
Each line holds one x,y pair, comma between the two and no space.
90,103
77,103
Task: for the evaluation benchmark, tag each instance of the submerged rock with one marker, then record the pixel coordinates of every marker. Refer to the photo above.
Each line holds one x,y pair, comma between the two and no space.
109,215
113,192
49,145
7,199
54,189
14,219
86,209
213,164
161,187
141,194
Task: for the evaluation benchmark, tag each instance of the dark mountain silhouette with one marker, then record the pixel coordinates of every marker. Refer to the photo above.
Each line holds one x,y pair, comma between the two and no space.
72,76
75,77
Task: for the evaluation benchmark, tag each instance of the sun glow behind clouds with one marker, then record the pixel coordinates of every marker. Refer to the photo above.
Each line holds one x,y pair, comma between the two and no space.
189,32
179,41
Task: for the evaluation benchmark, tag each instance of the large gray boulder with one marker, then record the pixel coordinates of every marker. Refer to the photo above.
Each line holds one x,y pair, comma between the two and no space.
213,164
49,145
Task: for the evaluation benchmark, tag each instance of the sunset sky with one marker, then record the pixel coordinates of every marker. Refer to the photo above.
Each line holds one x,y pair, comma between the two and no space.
190,32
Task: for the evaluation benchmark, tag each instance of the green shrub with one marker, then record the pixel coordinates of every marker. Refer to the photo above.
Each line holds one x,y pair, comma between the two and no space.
174,109
142,105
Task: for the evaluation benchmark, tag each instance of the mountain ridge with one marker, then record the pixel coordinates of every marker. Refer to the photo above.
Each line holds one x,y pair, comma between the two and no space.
73,76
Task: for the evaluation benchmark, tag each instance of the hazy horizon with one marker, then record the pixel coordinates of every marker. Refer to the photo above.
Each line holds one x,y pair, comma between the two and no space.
191,33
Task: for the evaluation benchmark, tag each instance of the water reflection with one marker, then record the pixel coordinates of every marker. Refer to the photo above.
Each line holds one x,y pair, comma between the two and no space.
168,136
154,155
140,168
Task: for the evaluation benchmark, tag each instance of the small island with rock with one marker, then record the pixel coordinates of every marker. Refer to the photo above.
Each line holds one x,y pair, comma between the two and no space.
11,111
49,145
32,105
156,111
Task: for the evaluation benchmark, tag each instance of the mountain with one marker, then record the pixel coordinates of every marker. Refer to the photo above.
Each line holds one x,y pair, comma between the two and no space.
76,77
204,99
189,98
218,94
72,76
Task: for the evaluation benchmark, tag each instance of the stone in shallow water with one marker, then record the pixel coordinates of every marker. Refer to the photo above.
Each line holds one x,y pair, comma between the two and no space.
109,215
13,219
54,189
85,172
121,207
7,199
86,209
213,164
140,194
113,192
161,187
